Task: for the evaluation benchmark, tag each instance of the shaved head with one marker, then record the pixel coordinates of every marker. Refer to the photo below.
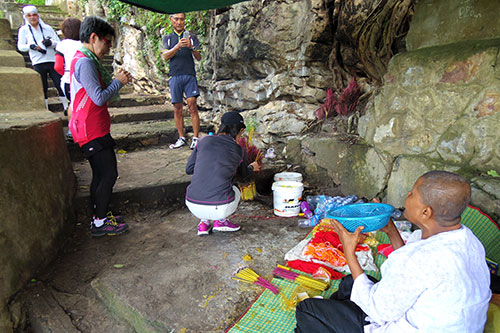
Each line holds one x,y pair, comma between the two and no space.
447,193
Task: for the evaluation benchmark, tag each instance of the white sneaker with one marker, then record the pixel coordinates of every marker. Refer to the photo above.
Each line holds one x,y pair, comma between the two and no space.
178,144
194,142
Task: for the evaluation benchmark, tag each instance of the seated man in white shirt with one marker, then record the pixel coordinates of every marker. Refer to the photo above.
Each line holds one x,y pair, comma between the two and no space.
439,283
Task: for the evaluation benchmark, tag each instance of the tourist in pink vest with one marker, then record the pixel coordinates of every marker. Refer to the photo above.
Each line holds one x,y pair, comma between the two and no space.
91,89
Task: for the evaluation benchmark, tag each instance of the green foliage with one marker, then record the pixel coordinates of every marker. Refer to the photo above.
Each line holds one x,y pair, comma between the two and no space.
152,24
493,173
32,2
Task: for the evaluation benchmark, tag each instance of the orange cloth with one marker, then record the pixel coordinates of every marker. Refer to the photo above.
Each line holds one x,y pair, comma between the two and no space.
326,252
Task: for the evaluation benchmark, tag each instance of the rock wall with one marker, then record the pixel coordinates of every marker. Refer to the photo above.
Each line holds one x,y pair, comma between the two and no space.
271,58
438,108
460,20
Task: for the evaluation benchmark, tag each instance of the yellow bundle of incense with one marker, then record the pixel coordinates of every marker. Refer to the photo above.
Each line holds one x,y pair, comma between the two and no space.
249,276
285,272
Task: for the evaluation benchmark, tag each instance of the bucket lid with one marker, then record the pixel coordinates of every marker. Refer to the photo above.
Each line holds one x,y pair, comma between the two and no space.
295,176
292,185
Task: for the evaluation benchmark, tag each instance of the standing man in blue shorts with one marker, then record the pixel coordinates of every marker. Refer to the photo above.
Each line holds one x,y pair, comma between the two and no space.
180,48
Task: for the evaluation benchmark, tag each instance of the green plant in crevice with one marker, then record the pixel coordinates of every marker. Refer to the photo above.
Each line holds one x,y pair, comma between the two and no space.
493,173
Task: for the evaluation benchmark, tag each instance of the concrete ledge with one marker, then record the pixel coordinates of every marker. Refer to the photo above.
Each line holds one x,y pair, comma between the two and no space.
5,37
5,44
10,58
20,120
5,28
20,89
37,187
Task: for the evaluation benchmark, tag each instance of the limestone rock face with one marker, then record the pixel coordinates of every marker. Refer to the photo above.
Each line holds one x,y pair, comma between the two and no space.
448,21
136,56
485,192
442,102
275,123
405,172
271,50
356,168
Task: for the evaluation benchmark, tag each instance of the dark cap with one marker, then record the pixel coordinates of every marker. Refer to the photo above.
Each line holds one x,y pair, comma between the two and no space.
232,118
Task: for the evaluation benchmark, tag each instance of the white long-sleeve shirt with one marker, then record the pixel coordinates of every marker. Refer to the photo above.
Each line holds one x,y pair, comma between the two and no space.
68,48
438,284
25,39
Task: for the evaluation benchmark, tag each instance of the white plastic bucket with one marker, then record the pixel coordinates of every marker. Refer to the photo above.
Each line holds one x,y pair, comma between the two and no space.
288,176
286,198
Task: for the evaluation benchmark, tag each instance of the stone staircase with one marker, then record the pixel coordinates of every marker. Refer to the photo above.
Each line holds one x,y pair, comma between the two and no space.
54,16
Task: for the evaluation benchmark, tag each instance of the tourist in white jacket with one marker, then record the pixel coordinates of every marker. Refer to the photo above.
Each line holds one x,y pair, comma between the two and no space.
40,40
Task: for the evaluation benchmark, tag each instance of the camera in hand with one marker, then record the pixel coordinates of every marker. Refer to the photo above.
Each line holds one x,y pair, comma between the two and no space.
47,42
35,48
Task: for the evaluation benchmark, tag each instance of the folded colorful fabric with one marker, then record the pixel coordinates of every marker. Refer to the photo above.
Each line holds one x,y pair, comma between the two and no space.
312,267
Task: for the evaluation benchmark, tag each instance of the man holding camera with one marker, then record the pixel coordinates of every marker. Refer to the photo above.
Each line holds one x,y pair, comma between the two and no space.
180,48
39,39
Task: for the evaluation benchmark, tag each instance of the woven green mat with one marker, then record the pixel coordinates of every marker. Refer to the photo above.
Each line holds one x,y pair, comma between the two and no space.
269,312
485,229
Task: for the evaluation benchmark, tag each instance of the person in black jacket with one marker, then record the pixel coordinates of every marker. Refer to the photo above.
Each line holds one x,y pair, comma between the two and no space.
213,164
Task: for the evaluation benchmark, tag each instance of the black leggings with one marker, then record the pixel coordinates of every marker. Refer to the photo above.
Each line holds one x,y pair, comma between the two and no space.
67,93
104,174
337,314
47,68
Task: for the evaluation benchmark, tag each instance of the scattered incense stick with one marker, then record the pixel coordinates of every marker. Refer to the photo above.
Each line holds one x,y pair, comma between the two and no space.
249,276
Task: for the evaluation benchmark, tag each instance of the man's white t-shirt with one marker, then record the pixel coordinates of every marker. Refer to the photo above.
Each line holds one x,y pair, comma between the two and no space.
438,284
68,48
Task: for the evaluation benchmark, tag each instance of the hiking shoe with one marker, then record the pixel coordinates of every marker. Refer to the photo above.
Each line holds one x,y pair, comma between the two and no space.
194,142
225,225
110,216
178,144
117,218
110,228
204,228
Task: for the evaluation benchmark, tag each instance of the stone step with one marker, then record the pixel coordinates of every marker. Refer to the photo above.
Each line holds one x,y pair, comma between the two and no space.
141,113
42,9
127,100
148,177
107,62
134,99
133,114
134,135
153,176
